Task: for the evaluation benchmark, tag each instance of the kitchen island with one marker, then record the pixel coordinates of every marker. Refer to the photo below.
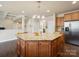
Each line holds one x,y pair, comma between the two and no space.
47,45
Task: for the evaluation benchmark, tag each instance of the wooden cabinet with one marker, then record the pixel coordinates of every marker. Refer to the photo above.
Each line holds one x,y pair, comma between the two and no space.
22,42
71,16
31,48
59,21
61,44
67,16
18,47
54,48
44,48
75,15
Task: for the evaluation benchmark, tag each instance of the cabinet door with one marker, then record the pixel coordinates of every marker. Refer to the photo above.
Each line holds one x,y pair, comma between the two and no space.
59,21
22,48
60,45
67,17
31,48
44,48
54,48
18,47
75,15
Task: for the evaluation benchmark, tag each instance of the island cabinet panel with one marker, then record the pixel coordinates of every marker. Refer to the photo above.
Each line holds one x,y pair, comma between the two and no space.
54,48
44,48
41,48
22,47
18,47
60,44
31,48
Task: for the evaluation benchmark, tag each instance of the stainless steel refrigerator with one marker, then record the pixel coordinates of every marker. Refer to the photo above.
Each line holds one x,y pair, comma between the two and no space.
71,31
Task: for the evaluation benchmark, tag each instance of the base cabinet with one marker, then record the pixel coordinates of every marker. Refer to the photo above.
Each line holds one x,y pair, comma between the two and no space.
60,44
18,50
44,48
54,48
22,49
40,48
31,48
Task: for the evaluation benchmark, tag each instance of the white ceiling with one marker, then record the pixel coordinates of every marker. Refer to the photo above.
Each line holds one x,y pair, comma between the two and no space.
31,7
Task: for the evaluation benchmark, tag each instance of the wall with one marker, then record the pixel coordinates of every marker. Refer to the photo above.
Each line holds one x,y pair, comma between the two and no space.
60,15
51,23
9,24
33,25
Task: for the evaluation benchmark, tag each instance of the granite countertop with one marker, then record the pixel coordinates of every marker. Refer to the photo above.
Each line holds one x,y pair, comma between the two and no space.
47,36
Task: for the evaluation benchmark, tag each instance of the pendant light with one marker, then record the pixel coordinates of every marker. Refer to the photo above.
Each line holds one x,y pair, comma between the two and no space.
38,16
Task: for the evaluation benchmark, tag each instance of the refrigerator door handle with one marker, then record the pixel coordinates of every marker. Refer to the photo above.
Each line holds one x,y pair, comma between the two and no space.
66,28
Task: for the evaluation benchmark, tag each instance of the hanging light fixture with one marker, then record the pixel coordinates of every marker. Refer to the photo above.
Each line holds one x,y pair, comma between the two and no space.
38,16
34,16
43,17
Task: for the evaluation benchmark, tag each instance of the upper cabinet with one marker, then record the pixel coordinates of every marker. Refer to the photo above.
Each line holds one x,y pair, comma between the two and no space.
68,16
75,15
71,16
59,21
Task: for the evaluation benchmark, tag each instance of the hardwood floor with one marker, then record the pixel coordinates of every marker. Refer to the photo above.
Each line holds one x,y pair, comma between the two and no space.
8,49
70,51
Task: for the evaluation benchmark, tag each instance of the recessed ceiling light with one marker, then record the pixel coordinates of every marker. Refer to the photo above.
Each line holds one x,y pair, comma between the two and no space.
43,17
74,2
38,16
34,16
48,11
1,5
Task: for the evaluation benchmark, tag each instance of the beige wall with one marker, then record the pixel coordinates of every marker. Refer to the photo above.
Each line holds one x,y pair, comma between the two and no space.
9,24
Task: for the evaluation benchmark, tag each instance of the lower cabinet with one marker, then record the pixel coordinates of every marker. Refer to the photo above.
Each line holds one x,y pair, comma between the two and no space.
41,48
31,48
18,50
60,45
22,50
54,48
44,48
